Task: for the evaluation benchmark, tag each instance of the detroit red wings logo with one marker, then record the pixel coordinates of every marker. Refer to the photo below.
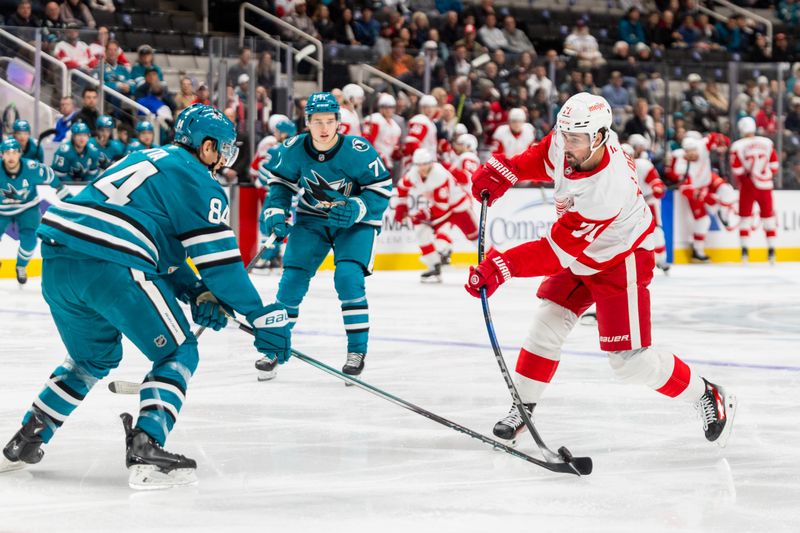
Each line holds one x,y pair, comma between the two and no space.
562,205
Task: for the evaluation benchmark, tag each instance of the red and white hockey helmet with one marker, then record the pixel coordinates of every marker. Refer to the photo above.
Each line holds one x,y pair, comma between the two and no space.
387,100
639,141
422,156
517,115
585,113
460,129
469,142
428,100
746,126
276,119
353,93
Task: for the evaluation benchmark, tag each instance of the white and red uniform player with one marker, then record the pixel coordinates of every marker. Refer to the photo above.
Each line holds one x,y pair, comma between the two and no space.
754,162
691,167
515,137
447,203
352,98
653,189
263,146
421,129
599,250
383,131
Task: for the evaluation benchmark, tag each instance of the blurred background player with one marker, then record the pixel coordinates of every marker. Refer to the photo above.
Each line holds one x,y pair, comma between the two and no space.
352,98
19,202
754,163
422,131
109,269
516,136
344,189
265,144
653,190
598,251
30,147
111,149
383,131
145,137
77,159
446,203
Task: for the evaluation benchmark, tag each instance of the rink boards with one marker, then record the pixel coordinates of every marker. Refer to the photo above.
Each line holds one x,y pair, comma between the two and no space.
525,215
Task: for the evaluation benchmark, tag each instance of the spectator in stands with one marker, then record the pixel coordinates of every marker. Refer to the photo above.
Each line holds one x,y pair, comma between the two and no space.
325,27
346,29
102,5
265,71
299,19
588,83
539,80
492,36
746,96
242,66
98,46
690,35
457,64
630,28
185,96
153,89
715,98
781,51
641,122
481,11
116,75
518,42
474,48
789,12
367,28
450,30
143,63
581,45
52,22
616,95
203,95
68,113
74,52
730,33
445,6
759,53
695,103
23,17
397,62
762,90
574,84
642,89
88,113
416,76
78,12
767,119
793,116
419,29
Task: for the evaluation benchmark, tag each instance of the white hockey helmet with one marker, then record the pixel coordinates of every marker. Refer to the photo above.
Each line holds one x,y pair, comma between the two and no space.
422,156
428,100
353,93
585,113
517,115
387,100
274,120
639,141
693,134
627,148
691,144
469,142
460,129
746,125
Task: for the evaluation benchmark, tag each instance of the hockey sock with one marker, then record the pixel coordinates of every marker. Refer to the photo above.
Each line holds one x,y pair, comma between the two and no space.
349,282
24,257
534,373
662,371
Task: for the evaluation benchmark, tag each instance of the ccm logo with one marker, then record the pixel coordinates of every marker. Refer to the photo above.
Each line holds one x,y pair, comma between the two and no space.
618,338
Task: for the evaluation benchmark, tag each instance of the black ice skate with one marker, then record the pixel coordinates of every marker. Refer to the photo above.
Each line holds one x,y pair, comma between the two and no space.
432,275
716,409
745,254
698,257
509,428
150,466
664,267
22,275
446,257
354,365
771,255
25,447
267,368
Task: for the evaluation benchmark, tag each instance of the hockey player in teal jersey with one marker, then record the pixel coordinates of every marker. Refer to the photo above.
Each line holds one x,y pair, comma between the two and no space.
344,189
19,200
110,148
145,137
77,159
115,264
30,148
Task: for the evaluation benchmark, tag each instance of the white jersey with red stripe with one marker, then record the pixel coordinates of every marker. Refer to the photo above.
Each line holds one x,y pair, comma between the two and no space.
649,182
384,134
602,215
692,174
754,158
349,124
261,152
440,190
509,143
463,167
421,134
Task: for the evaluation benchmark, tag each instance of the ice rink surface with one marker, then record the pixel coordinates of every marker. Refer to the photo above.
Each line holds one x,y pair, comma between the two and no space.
304,453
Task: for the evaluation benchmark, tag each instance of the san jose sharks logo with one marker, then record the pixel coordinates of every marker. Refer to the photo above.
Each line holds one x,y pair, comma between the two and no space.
325,193
11,193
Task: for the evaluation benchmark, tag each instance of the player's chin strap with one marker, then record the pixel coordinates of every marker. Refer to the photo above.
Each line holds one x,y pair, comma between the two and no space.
593,150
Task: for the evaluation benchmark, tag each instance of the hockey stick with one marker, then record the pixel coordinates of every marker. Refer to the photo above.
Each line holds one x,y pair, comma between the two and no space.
131,387
577,465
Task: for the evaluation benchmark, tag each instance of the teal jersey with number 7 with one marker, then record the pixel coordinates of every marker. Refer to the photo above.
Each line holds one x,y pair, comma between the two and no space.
150,211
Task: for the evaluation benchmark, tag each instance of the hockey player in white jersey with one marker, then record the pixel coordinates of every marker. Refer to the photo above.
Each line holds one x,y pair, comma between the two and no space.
382,130
600,251
421,129
515,137
352,98
754,162
265,144
447,203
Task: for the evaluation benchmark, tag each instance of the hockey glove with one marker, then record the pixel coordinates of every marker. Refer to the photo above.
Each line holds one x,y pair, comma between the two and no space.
274,221
400,212
272,333
490,273
344,216
209,312
420,217
494,177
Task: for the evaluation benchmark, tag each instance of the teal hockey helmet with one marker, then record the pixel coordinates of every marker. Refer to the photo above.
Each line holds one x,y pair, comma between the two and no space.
21,125
80,128
198,123
287,127
10,144
104,122
321,103
143,126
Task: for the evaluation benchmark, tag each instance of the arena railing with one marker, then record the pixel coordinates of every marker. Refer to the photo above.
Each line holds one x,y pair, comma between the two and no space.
57,65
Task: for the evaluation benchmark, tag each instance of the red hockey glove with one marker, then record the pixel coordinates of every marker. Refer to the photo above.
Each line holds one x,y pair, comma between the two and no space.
420,217
400,212
494,177
658,189
397,153
491,273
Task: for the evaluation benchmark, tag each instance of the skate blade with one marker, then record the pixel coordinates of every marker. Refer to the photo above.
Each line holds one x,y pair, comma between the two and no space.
10,466
730,412
149,477
267,375
432,279
348,384
511,443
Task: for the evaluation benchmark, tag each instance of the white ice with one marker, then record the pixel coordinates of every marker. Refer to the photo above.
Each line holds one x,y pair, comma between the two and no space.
305,453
